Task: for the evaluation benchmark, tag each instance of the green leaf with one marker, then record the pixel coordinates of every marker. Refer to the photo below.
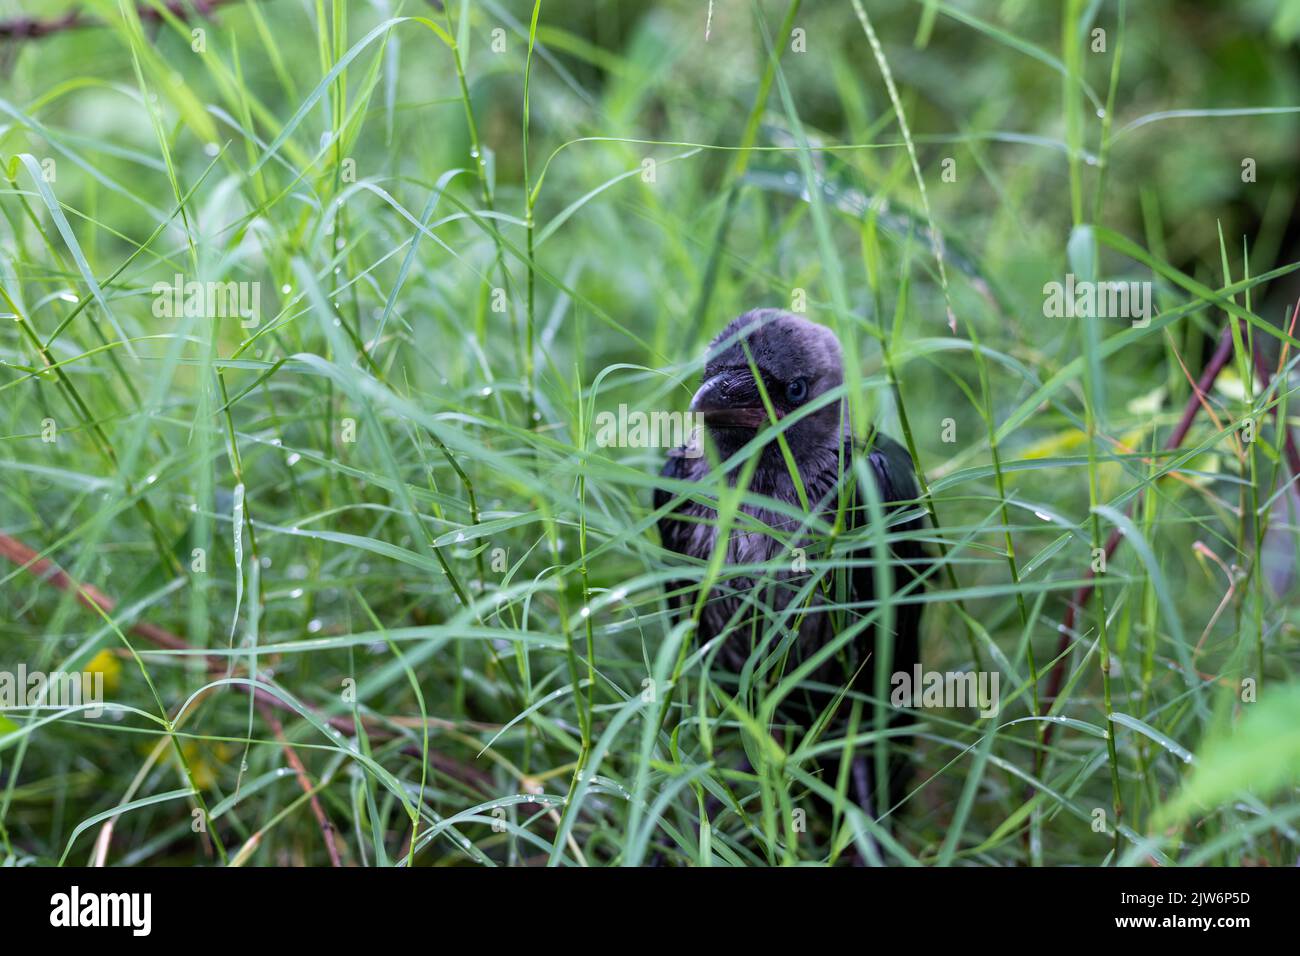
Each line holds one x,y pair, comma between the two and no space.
1260,754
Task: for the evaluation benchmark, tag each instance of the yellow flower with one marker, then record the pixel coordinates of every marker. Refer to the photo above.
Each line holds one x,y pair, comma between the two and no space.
206,761
106,663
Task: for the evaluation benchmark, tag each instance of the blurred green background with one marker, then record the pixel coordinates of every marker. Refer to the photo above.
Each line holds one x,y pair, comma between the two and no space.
432,521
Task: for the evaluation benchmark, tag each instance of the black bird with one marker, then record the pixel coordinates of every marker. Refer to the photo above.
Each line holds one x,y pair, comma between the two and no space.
798,361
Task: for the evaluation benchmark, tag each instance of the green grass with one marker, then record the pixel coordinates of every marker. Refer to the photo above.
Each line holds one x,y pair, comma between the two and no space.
383,505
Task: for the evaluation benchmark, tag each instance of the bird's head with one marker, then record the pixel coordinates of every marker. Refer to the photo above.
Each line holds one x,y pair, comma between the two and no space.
797,361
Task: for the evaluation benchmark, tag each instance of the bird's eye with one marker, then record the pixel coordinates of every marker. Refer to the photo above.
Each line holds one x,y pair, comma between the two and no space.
796,390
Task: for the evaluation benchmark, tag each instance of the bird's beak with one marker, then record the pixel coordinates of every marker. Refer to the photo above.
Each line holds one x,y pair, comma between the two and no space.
730,400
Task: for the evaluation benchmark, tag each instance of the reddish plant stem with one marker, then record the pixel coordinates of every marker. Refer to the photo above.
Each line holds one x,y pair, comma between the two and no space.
322,819
1222,354
30,28
1218,361
92,597
1265,377
89,596
267,703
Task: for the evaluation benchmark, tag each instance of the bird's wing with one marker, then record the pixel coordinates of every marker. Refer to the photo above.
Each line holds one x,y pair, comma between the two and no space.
895,477
675,534
672,532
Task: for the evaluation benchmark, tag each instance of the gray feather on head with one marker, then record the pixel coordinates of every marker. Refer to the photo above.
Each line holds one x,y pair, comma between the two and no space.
796,361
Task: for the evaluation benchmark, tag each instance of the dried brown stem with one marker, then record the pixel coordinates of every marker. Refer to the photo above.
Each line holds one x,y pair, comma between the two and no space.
1222,353
326,827
1218,361
30,28
91,597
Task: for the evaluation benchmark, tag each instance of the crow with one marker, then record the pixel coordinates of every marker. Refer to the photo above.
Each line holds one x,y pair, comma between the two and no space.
797,361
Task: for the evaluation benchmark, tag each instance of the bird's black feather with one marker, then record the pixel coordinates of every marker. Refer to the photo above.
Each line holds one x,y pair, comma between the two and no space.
736,605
